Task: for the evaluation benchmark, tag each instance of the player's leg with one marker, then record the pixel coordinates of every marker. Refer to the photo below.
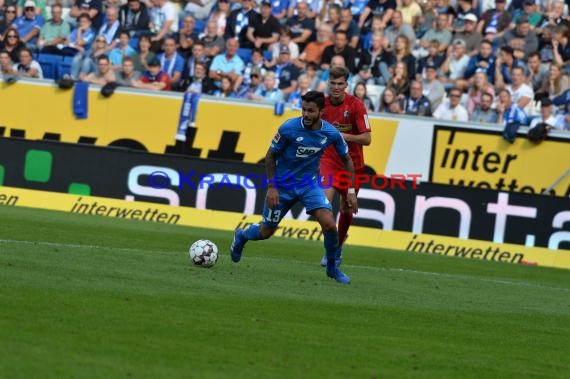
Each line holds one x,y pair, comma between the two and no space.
319,207
346,215
263,230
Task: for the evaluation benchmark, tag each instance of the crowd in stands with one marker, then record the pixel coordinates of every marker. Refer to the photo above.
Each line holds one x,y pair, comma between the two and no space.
460,60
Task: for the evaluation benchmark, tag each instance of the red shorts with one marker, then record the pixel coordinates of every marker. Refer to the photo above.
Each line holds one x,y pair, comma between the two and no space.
328,173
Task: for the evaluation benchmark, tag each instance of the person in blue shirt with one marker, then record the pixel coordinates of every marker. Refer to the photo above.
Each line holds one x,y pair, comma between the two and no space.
292,165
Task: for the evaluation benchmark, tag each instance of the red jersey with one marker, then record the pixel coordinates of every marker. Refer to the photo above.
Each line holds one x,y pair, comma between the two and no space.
349,117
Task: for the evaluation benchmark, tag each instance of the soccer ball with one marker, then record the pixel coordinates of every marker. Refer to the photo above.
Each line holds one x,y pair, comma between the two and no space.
204,253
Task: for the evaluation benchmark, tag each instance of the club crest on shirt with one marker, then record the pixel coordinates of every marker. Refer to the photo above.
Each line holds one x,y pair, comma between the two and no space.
346,114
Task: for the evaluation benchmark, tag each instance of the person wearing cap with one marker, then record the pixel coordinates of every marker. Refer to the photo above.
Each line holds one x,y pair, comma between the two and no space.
470,35
286,72
495,20
453,68
432,88
465,9
154,78
41,7
546,115
522,31
265,28
29,25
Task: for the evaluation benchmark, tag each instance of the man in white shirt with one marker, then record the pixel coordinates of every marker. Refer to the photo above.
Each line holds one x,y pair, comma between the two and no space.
164,19
451,110
546,115
521,92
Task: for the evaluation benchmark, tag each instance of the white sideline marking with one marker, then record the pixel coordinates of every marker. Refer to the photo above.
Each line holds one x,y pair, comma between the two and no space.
454,276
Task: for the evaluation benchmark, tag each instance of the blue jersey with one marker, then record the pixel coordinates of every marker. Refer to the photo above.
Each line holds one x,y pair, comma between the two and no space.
298,150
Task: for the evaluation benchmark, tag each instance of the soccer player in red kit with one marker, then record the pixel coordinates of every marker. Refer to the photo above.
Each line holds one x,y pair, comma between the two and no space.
348,114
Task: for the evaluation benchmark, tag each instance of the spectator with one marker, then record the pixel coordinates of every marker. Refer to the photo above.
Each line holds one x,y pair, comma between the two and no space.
6,65
451,110
80,38
265,28
470,35
546,116
187,36
314,50
91,8
54,31
484,61
360,92
398,28
268,92
284,40
85,62
561,47
484,113
134,18
545,45
375,28
257,63
522,94
28,67
479,87
127,75
373,63
555,84
537,72
330,15
510,115
350,26
439,33
122,50
402,53
286,73
213,43
495,21
10,17
171,62
12,44
301,26
387,101
381,8
239,21
465,12
154,78
164,22
417,104
313,8
555,15
199,83
453,68
434,58
411,13
433,88
279,10
522,31
339,47
400,82
198,57
102,75
112,27
220,16
199,9
228,64
29,25
255,81
529,11
226,89
144,55
504,66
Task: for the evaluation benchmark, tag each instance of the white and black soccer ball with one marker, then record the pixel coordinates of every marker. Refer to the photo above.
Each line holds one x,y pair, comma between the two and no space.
203,253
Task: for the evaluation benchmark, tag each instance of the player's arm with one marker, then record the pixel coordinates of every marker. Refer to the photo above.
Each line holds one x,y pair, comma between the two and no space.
351,193
361,139
272,197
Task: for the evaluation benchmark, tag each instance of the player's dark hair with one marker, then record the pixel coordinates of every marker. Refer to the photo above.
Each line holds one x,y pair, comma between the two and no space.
339,72
316,97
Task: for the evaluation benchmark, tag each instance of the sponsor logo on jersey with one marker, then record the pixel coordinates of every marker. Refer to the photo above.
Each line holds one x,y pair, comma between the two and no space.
304,152
366,122
342,127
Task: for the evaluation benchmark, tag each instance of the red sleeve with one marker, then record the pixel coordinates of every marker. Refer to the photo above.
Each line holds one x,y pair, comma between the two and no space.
360,116
164,78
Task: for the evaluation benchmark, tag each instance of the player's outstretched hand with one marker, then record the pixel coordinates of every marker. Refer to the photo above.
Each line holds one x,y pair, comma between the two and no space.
272,198
352,204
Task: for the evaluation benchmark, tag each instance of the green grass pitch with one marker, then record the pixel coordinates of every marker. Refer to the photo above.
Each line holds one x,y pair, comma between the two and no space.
92,297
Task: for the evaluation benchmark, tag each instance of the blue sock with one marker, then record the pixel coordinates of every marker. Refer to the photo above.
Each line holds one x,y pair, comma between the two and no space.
253,232
331,244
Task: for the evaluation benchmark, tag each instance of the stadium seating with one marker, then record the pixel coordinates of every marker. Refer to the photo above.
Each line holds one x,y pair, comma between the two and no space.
245,54
50,65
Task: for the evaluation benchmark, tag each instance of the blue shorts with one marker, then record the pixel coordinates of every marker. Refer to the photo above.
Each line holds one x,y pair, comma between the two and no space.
311,198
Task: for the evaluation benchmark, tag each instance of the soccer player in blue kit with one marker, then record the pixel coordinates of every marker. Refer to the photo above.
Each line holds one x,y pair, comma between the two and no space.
292,167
